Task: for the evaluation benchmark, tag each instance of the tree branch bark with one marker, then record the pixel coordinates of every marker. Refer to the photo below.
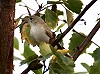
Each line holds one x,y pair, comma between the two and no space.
86,41
85,37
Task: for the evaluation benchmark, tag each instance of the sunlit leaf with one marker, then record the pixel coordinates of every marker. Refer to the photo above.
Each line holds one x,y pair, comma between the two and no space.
70,17
62,64
95,69
86,66
75,41
63,51
51,18
73,5
57,69
27,51
96,54
39,71
17,58
59,27
23,29
44,49
16,43
59,12
45,57
29,59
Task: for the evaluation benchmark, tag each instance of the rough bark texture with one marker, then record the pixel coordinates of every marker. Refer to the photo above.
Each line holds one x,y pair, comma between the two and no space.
7,11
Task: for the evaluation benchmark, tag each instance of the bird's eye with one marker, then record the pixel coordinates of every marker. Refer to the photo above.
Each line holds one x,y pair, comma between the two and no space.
31,18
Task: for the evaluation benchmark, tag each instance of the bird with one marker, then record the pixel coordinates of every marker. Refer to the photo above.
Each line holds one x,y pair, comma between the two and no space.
39,30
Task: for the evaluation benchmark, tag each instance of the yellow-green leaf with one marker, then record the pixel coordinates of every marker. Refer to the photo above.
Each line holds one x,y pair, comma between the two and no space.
59,27
27,51
44,49
86,66
51,18
70,17
16,43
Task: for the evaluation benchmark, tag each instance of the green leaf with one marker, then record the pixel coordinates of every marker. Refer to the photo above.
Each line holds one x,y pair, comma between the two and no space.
17,58
62,65
81,73
86,66
96,54
18,1
95,69
39,71
44,49
51,71
27,51
16,43
57,69
45,57
73,5
29,59
59,27
51,18
75,41
70,17
59,12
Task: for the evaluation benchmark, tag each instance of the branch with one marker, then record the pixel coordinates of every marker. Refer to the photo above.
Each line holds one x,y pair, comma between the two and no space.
86,41
20,24
73,23
25,71
85,37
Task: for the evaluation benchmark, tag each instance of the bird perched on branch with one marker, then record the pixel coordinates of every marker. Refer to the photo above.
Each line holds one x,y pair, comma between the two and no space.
39,30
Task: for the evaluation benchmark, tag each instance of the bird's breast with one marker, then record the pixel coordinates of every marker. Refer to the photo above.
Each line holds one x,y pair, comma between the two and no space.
38,33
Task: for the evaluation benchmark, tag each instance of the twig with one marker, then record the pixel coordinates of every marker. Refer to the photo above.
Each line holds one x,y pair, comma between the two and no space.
86,41
73,23
85,37
26,6
28,11
43,8
20,24
25,71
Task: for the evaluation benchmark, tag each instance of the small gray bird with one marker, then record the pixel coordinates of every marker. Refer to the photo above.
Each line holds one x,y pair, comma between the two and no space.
39,30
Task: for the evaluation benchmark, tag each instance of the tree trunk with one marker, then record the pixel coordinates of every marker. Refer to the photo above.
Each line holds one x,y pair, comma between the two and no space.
7,12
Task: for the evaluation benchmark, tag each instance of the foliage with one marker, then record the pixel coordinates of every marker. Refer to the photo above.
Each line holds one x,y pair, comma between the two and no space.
18,1
61,60
16,43
74,5
75,41
61,64
51,18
